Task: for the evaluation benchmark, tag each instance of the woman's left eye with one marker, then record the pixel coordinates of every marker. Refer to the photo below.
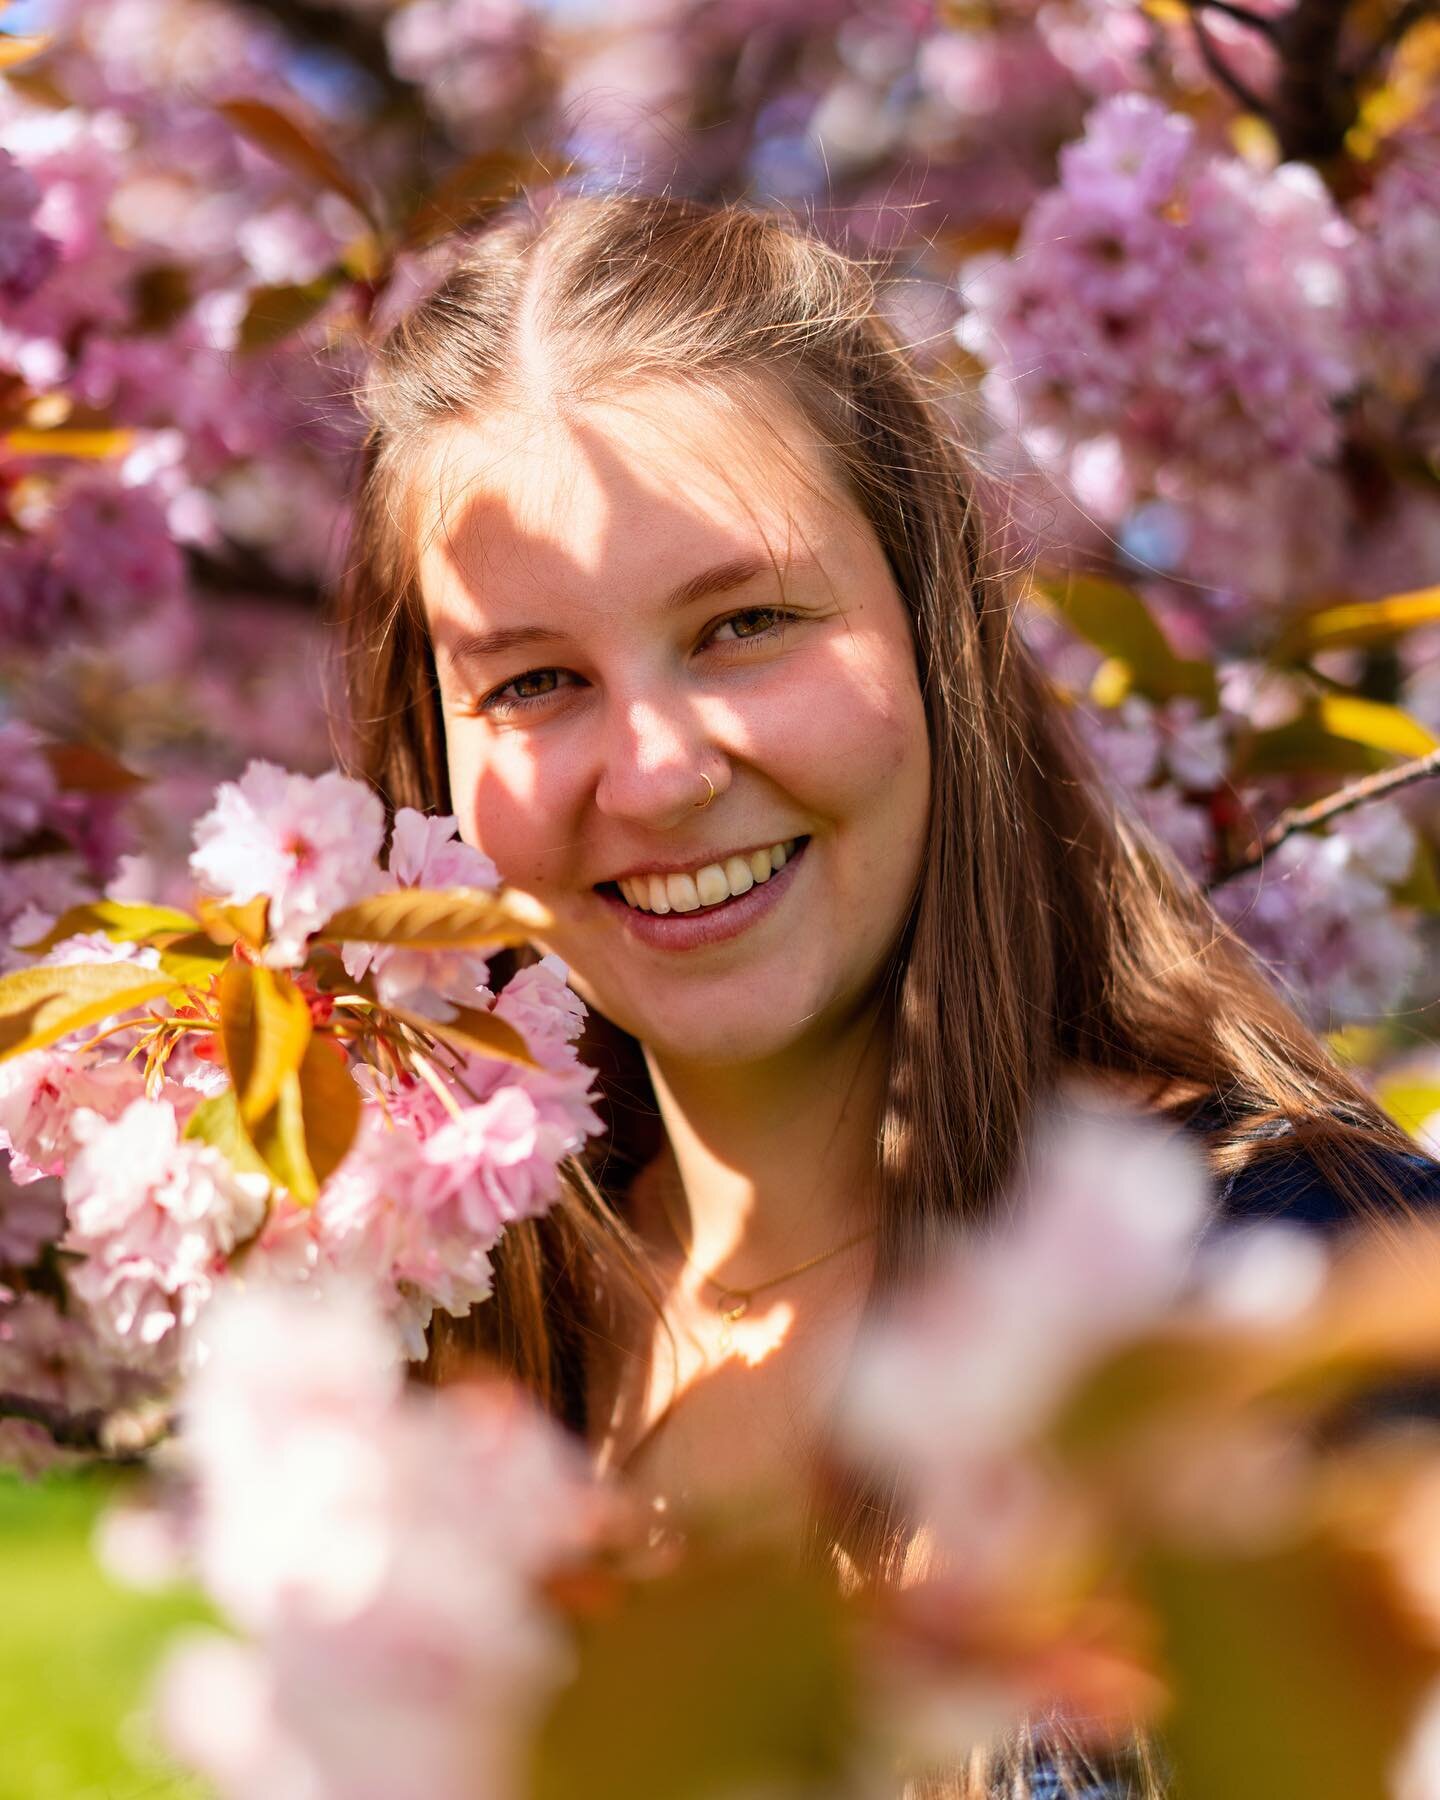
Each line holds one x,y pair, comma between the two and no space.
755,623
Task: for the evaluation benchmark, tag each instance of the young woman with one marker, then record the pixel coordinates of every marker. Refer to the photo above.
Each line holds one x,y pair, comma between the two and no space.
670,584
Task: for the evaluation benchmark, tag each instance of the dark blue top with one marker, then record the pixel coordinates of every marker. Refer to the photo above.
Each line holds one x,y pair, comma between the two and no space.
1288,1186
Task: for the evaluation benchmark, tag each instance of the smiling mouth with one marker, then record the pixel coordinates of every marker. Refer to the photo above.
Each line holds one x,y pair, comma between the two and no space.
704,889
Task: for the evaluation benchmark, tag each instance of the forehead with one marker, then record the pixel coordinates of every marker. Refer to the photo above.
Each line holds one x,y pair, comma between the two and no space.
606,503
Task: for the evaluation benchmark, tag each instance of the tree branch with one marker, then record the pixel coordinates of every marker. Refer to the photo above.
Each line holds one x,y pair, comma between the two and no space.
1220,69
1242,15
123,1435
1305,818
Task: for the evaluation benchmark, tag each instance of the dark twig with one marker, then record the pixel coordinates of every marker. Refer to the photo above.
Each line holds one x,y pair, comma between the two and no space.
1305,818
1315,101
1221,70
1242,15
119,1436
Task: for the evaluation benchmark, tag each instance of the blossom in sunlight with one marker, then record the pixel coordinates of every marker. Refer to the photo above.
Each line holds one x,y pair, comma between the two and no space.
1181,300
425,853
153,1218
381,1547
310,843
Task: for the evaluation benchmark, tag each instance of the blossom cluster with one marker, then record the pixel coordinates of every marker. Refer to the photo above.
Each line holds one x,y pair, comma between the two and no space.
122,1152
382,1553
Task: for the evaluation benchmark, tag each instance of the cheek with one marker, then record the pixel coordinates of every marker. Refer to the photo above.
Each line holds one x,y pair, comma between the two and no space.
504,806
860,733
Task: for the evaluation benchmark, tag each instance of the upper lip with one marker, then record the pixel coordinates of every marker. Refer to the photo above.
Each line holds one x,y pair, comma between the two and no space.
699,860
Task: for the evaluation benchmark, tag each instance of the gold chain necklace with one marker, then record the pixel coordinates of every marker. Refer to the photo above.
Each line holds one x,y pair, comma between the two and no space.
734,1302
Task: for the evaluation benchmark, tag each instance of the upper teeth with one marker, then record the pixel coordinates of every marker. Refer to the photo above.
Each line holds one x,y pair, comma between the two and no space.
707,886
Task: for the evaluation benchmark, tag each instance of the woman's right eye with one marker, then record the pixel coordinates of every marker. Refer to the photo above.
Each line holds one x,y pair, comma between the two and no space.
529,689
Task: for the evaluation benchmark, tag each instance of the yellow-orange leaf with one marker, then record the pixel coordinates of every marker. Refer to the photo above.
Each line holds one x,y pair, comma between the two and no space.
1362,622
83,446
236,924
119,920
39,1005
265,1028
15,51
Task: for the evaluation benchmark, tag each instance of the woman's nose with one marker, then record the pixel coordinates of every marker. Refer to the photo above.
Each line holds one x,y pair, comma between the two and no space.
659,765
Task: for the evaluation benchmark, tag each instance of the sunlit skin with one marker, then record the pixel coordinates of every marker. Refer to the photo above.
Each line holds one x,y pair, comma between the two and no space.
583,702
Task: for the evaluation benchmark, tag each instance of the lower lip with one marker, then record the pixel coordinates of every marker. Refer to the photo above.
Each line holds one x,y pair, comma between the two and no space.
709,924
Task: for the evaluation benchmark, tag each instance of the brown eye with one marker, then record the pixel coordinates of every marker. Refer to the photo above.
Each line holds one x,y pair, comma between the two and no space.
531,686
755,622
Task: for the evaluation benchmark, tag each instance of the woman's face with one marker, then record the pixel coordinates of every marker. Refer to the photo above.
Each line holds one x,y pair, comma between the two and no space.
632,599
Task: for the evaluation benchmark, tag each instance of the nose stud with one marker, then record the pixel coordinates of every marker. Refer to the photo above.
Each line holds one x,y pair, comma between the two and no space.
709,792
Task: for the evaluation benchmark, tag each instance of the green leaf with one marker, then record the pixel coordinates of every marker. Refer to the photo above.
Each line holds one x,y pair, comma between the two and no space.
1359,623
291,144
1336,734
217,1122
194,959
265,1028
41,1004
472,1029
274,313
430,919
746,1681
119,920
1116,621
1289,1671
279,1139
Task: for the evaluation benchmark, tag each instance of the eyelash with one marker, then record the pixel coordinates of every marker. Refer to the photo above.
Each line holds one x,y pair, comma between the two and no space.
496,705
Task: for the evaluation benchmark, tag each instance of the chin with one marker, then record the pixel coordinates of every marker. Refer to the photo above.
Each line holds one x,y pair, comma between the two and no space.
752,1026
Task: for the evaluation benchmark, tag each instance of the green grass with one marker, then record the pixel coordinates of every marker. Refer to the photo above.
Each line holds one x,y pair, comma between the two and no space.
77,1653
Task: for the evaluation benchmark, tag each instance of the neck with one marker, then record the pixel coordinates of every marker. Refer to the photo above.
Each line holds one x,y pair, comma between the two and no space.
775,1160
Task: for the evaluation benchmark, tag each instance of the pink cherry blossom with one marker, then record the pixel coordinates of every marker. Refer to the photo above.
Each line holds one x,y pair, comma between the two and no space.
308,842
153,1217
381,1547
1099,1244
26,254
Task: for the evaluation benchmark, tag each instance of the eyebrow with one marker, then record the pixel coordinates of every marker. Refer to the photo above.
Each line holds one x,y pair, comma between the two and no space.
717,580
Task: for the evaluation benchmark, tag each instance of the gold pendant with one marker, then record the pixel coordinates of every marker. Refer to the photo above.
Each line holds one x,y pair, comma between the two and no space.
728,1317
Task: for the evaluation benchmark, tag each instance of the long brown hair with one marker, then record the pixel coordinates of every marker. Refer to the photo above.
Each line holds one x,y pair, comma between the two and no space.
1048,933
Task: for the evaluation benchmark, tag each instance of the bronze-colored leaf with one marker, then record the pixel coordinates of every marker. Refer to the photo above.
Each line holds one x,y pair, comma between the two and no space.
1336,734
472,1029
279,1139
292,144
430,919
81,768
274,313
743,1660
476,188
329,1105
